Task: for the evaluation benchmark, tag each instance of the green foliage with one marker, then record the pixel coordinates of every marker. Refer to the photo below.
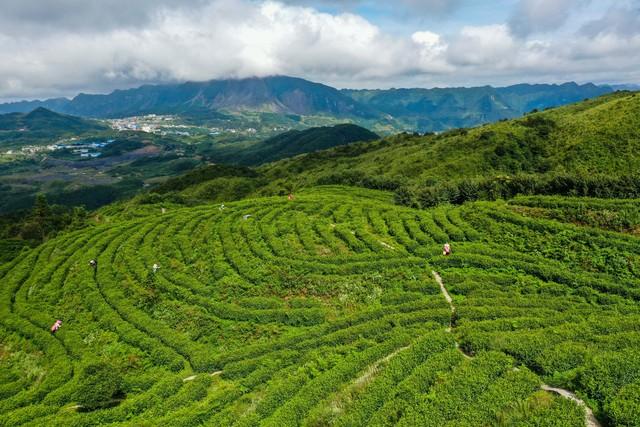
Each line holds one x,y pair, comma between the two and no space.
33,227
586,149
98,384
507,187
292,143
120,147
40,125
203,174
323,311
623,410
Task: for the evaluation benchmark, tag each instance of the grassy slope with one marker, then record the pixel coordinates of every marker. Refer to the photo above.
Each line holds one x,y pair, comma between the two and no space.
596,136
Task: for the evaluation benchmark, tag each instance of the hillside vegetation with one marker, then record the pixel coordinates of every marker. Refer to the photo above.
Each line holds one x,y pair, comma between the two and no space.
323,311
589,140
591,148
212,304
291,143
42,124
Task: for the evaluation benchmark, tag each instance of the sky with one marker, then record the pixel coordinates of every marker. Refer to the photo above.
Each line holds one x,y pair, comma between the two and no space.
51,48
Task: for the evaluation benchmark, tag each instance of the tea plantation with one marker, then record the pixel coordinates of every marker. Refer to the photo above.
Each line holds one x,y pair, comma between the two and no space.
325,311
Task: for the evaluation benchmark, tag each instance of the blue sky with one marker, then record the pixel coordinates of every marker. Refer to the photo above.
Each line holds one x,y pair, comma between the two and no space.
62,47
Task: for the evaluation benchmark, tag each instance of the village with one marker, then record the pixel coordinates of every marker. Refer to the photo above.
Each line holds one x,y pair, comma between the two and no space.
81,148
165,125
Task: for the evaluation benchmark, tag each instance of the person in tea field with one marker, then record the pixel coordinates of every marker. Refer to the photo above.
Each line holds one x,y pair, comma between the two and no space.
93,263
446,249
155,268
291,197
56,326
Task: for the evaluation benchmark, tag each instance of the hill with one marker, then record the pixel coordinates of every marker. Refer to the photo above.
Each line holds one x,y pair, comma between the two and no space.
336,308
43,120
391,110
589,140
428,110
289,144
42,125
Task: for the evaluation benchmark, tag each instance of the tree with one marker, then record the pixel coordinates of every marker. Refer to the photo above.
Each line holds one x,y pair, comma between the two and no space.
41,207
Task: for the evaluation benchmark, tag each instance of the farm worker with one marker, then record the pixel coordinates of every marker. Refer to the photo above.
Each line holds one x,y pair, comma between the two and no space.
164,211
246,217
93,263
291,196
155,268
221,207
446,249
56,326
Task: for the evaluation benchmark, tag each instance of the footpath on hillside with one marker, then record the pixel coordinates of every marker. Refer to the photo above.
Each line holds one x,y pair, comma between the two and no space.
590,419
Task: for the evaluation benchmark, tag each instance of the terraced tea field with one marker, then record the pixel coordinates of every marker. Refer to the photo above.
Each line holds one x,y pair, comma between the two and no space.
325,310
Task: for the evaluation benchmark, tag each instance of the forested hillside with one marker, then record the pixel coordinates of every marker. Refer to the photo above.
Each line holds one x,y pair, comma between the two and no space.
591,148
290,144
42,125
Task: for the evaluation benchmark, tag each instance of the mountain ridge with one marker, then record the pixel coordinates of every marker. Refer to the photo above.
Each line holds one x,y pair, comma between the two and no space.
411,109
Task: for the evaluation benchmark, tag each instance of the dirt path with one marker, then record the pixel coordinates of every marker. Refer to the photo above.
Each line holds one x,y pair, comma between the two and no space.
449,301
372,369
193,377
590,419
339,401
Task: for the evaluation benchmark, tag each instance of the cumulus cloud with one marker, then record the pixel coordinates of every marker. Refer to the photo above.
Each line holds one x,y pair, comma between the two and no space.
240,38
491,44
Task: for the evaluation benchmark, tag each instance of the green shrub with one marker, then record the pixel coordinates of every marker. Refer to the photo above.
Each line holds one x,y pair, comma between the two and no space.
98,384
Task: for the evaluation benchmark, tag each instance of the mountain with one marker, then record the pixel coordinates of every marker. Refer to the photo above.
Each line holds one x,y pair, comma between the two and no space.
285,95
292,143
395,109
45,122
438,109
54,104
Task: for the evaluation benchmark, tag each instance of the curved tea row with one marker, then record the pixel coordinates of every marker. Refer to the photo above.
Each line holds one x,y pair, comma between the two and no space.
318,311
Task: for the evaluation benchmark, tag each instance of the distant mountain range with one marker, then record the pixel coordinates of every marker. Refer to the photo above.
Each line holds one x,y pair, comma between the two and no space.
409,109
439,109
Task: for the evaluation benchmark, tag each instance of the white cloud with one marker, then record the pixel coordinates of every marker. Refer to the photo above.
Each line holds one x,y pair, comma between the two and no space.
240,38
490,44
